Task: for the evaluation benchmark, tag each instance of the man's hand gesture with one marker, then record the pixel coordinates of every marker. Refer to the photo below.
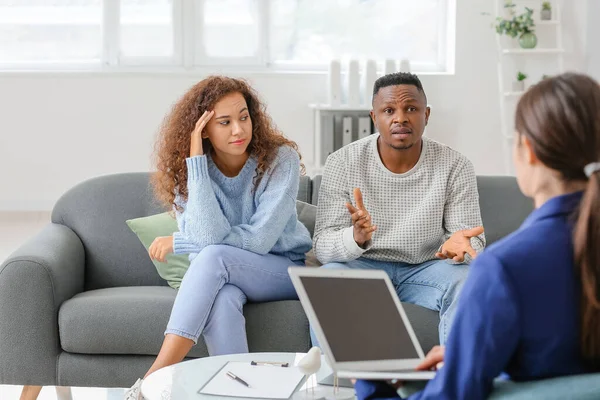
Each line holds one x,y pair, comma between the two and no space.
361,220
459,244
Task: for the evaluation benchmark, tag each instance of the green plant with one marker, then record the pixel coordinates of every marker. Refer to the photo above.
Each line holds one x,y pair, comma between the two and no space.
545,76
521,76
518,25
546,6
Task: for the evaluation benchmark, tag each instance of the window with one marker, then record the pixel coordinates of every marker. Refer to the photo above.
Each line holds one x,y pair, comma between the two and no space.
271,34
314,31
146,28
227,34
50,31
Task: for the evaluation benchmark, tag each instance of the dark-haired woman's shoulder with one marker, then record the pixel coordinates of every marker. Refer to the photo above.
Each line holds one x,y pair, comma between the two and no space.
543,249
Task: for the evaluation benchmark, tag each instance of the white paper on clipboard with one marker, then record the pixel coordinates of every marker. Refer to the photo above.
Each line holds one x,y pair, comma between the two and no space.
265,382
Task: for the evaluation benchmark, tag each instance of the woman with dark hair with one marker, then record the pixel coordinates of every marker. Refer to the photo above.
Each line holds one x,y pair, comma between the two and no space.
531,305
232,179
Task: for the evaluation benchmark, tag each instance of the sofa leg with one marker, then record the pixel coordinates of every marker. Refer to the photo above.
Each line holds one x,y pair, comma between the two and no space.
30,392
64,393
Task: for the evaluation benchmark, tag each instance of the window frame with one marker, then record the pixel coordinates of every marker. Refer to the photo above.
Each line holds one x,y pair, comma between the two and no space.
189,56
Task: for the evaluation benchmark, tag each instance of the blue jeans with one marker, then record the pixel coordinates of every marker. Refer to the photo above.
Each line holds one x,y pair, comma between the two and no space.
434,285
215,288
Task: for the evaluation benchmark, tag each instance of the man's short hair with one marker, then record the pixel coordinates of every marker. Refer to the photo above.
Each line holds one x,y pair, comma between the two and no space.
398,78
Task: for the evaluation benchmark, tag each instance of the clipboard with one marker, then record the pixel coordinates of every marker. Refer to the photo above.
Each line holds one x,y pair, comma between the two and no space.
265,382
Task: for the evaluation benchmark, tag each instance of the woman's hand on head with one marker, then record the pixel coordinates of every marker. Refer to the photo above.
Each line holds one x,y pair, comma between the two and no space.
198,134
160,248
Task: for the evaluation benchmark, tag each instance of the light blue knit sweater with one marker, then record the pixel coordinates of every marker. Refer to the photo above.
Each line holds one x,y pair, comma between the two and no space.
223,210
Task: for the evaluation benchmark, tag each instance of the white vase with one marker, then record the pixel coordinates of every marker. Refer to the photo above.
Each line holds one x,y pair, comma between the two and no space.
518,86
404,65
369,77
334,83
353,84
389,67
546,15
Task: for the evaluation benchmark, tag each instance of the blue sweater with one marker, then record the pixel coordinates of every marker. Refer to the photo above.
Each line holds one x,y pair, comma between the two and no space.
518,312
223,210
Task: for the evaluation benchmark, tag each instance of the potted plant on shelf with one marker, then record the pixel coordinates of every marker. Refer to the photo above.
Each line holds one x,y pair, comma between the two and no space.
546,11
519,25
519,84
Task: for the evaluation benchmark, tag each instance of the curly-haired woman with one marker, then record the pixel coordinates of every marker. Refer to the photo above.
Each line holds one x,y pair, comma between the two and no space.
232,179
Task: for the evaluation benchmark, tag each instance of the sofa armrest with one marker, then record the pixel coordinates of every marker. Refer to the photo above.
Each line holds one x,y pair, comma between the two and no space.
581,387
34,281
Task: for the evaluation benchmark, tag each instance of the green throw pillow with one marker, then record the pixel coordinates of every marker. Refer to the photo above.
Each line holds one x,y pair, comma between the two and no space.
149,228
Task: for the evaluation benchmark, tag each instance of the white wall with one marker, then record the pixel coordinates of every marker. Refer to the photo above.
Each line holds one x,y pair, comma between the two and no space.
593,38
57,129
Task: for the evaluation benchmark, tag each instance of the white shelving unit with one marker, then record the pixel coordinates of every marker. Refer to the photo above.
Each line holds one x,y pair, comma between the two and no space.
318,111
507,94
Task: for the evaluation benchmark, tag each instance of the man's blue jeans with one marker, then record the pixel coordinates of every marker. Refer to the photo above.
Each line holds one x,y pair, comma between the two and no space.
434,285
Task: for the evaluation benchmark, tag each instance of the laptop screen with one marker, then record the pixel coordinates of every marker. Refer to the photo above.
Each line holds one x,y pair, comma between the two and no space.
359,319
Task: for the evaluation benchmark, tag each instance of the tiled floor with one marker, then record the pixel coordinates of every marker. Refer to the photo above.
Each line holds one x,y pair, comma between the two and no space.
9,392
17,227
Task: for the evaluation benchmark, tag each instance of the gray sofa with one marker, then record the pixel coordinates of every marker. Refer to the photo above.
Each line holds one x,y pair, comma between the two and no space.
81,304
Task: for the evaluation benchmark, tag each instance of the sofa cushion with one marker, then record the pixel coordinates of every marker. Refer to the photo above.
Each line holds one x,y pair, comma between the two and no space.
149,228
305,189
307,214
503,206
132,320
316,184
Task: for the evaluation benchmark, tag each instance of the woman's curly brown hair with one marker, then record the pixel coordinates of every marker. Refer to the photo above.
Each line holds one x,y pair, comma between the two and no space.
173,144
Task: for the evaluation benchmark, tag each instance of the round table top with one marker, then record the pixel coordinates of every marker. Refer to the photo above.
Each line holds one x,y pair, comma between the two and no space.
183,380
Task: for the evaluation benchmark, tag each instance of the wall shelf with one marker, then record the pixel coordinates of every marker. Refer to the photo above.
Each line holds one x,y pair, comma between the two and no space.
343,107
532,51
551,22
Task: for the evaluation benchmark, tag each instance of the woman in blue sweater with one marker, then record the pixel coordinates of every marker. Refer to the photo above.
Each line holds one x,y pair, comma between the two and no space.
531,304
232,178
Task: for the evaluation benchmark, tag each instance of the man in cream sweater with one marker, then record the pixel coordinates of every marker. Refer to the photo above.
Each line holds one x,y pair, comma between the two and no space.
402,203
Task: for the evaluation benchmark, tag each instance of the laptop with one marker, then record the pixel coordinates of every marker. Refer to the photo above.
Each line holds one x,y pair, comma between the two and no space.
360,323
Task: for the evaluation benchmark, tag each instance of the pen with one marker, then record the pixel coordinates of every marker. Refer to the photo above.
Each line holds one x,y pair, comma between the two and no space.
237,378
271,363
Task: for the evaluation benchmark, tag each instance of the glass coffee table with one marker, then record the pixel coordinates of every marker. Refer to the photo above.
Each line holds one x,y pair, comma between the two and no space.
182,381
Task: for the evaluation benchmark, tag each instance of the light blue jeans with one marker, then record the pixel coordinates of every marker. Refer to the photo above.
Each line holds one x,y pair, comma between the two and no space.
215,288
434,285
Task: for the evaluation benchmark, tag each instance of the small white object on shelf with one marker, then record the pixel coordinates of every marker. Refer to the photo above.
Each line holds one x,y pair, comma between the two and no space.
404,65
389,67
334,82
368,80
518,86
353,83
